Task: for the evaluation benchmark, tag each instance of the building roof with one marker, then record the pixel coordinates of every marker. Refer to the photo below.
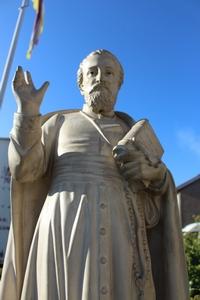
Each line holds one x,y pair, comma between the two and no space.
187,183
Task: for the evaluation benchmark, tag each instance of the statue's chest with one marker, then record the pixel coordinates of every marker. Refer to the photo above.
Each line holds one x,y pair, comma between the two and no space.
80,134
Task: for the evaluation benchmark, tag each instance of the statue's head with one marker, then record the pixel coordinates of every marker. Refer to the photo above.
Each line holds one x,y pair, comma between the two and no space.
99,78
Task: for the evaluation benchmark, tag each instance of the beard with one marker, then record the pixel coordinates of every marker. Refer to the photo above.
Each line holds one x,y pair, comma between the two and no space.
100,100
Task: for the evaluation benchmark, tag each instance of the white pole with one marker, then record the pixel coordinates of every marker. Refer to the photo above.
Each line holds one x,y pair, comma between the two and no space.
11,52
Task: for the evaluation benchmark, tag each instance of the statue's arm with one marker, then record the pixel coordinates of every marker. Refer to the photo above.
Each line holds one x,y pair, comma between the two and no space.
28,155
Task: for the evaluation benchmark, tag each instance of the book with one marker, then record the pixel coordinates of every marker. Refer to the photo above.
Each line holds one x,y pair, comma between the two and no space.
143,137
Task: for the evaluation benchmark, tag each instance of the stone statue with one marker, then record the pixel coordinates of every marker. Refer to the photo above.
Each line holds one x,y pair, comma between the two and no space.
84,226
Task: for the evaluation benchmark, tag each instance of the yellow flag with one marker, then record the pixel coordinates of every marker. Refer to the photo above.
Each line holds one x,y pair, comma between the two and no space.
38,26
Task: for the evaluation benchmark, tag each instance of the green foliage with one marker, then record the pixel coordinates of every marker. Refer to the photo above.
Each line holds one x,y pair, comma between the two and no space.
197,297
192,251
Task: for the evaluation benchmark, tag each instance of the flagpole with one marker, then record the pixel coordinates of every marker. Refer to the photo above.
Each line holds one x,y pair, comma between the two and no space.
9,60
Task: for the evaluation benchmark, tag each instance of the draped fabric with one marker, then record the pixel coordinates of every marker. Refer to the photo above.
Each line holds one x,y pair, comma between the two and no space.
88,240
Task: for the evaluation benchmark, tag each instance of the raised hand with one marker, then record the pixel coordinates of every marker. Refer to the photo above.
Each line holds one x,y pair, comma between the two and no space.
28,98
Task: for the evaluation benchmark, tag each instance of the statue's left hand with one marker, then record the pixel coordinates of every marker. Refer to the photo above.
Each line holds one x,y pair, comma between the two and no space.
138,167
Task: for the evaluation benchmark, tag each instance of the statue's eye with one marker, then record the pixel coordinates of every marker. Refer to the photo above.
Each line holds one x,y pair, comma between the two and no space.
108,73
91,73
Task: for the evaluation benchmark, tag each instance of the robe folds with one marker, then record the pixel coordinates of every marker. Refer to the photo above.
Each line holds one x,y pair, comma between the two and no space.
79,230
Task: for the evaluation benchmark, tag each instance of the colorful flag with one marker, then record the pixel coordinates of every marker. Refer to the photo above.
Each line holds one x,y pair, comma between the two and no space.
38,25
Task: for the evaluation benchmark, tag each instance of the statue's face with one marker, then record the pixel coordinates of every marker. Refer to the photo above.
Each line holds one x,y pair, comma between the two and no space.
100,83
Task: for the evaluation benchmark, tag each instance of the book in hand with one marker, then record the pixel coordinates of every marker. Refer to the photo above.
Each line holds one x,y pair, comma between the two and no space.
143,137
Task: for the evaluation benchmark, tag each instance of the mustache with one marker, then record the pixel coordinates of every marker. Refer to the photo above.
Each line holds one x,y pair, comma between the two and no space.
98,87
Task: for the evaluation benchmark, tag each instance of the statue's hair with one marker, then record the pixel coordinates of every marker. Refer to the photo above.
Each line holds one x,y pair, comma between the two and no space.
100,52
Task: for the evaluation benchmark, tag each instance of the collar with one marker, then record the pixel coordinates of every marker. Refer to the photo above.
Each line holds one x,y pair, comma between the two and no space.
87,110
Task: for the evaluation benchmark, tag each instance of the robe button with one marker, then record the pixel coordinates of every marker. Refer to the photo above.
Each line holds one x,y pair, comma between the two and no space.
102,231
102,205
138,275
103,260
104,290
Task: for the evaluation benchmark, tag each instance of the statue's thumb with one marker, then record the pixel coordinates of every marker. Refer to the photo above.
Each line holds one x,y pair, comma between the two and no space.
43,88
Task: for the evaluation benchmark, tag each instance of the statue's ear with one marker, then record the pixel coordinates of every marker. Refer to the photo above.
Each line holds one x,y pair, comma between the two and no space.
81,89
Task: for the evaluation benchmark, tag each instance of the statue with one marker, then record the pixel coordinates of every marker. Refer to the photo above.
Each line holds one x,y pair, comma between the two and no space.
88,224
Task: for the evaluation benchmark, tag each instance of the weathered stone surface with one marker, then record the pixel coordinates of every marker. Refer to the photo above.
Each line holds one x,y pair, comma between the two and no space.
84,224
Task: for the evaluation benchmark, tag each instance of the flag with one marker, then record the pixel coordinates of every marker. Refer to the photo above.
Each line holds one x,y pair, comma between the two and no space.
38,25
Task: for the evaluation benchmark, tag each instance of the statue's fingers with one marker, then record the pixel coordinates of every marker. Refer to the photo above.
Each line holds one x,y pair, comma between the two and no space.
132,164
137,170
130,169
124,156
43,88
133,173
28,79
137,154
19,78
120,156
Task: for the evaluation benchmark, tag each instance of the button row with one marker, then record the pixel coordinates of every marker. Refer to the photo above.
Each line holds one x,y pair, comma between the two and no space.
103,260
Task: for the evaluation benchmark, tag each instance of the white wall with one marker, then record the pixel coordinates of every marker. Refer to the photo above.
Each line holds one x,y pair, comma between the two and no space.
4,196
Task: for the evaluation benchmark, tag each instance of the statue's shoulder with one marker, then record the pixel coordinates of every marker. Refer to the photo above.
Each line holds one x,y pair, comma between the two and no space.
58,114
126,118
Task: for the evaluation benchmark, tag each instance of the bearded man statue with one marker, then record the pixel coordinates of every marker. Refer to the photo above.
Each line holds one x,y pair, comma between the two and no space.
83,226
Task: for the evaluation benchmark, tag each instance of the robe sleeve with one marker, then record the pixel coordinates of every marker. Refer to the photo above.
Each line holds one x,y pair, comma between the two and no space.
153,196
31,146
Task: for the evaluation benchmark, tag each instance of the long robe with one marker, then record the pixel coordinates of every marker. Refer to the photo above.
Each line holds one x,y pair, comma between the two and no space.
79,230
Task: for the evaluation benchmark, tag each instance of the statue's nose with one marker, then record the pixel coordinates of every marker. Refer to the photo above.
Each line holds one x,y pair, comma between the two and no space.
99,75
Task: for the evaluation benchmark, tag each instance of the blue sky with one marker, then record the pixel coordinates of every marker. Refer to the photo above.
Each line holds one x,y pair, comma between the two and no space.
158,44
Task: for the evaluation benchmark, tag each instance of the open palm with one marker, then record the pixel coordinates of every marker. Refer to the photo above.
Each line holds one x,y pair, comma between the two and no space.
28,98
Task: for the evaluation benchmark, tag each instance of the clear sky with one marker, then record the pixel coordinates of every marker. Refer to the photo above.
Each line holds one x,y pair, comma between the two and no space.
158,44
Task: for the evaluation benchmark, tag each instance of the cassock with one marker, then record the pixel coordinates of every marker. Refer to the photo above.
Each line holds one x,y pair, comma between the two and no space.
79,230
